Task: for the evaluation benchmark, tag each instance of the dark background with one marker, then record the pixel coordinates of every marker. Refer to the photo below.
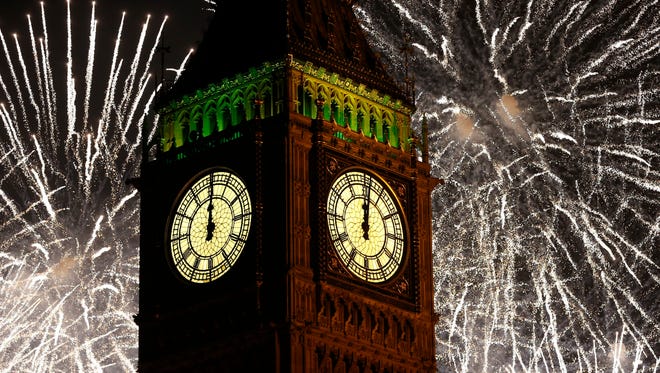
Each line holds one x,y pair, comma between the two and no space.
186,23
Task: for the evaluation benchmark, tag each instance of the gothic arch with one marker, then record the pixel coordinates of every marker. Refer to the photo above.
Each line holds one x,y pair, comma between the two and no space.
210,121
223,112
181,129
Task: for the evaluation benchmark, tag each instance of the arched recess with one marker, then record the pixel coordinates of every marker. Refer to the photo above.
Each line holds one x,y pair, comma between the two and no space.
305,99
223,113
209,120
181,128
238,107
363,116
350,113
277,95
403,132
311,90
324,93
375,123
325,363
265,93
195,123
167,133
250,93
388,120
336,112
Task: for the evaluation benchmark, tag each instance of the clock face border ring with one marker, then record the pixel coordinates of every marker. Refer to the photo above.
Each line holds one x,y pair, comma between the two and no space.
371,240
208,225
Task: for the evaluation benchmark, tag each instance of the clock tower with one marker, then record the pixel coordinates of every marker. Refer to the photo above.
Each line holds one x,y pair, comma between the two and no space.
285,204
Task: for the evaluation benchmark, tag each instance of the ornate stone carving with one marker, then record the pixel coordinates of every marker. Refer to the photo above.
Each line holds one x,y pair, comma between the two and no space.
333,166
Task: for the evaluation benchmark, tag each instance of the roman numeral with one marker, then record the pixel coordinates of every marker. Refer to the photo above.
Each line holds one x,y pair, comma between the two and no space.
393,237
224,255
241,216
237,197
338,217
390,216
352,255
235,237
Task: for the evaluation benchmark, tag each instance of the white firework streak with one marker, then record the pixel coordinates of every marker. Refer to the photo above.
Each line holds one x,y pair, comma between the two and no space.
68,218
544,119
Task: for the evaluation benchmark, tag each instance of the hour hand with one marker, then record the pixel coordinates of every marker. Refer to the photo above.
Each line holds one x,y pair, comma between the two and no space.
365,220
365,207
210,227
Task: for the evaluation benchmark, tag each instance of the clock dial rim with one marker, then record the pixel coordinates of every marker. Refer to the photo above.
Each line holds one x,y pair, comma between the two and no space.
232,248
395,263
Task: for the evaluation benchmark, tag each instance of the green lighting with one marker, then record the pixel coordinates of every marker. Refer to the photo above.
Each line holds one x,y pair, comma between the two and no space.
213,113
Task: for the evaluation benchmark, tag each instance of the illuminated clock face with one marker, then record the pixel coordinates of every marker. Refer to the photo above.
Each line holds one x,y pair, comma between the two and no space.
209,226
366,226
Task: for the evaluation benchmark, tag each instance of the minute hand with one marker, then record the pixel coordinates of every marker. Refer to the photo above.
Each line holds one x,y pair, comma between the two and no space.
210,226
365,207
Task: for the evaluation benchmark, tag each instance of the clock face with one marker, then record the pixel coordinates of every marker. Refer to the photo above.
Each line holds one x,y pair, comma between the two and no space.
366,226
209,226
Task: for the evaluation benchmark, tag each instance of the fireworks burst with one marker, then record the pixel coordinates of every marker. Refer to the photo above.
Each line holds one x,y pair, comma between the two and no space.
68,219
544,118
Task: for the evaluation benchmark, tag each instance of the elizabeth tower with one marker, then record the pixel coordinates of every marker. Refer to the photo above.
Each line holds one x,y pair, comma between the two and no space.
285,204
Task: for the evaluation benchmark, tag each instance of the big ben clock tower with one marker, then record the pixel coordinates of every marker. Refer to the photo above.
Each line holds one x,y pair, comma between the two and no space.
285,208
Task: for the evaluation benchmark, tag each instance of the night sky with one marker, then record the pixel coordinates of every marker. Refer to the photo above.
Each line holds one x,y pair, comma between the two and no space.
184,29
544,122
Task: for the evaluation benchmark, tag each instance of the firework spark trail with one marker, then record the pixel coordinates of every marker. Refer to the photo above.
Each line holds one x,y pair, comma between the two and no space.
68,255
544,118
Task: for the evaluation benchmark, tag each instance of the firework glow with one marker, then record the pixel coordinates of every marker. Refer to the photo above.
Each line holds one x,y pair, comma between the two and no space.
543,119
68,218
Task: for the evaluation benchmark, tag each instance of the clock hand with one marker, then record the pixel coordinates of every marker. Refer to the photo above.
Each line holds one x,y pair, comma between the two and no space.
365,207
210,227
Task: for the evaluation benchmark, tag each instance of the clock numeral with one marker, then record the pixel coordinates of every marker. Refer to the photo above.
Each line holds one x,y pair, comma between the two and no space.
338,217
237,197
393,237
352,188
380,191
183,215
182,236
236,237
224,255
390,216
351,256
224,189
196,197
241,216
343,237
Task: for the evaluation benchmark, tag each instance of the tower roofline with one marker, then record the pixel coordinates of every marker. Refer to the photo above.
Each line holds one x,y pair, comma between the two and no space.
322,32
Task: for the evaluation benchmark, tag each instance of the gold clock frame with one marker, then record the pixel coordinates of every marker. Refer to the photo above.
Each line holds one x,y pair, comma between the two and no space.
224,230
397,254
